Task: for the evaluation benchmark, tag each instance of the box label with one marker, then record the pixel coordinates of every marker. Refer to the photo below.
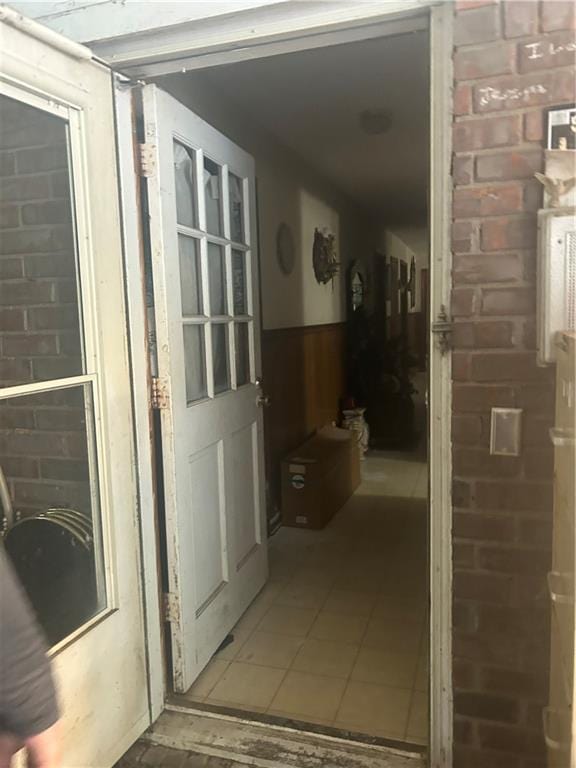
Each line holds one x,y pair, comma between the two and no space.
297,469
301,519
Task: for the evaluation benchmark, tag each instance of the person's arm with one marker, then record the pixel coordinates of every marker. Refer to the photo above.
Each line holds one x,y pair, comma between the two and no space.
28,705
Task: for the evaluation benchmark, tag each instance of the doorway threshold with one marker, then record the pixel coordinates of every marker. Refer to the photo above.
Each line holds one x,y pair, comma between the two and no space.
272,745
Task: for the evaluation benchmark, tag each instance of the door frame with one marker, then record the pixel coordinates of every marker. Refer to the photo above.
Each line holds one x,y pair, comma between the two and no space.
336,27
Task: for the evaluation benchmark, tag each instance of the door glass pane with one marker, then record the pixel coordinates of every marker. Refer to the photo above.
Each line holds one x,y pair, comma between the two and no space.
236,208
54,534
239,283
213,196
185,173
190,275
40,335
220,357
217,279
242,354
195,363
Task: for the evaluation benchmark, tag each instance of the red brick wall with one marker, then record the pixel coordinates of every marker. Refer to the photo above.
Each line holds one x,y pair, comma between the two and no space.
512,60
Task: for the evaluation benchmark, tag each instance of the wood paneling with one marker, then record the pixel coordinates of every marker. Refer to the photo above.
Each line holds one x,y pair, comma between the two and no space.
304,375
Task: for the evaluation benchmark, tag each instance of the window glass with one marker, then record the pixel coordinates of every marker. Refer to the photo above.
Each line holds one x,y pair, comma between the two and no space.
194,362
213,196
185,176
190,276
242,354
236,191
40,337
239,283
50,505
217,279
220,357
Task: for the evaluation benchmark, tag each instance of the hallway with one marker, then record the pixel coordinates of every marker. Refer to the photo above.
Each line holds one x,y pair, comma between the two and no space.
338,635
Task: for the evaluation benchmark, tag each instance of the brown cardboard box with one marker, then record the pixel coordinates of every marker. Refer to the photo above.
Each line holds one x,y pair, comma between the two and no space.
318,478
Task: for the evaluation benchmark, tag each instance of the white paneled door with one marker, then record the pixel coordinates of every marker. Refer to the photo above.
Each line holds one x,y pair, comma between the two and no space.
201,191
68,511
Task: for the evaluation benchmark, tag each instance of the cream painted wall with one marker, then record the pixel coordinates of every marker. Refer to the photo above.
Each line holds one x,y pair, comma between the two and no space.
288,191
405,242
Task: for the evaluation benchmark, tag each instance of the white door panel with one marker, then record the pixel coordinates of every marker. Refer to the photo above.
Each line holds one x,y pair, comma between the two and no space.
203,237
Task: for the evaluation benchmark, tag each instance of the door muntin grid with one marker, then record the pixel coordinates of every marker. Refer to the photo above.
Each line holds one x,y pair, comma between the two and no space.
215,268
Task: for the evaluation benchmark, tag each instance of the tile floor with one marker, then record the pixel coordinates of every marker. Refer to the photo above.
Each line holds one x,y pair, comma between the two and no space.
337,636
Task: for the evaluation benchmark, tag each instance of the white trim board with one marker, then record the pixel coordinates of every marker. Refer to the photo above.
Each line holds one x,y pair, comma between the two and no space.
440,391
140,376
269,31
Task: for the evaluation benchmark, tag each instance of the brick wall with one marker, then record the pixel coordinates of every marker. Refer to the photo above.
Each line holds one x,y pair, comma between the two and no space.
512,60
42,436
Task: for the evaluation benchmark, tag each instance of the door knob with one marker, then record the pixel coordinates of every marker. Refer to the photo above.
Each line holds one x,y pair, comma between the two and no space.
262,400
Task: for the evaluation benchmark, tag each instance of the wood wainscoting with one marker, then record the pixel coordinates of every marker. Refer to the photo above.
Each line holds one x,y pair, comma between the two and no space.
305,377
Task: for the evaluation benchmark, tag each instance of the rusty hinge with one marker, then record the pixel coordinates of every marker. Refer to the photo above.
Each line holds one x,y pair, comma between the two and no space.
159,396
170,607
147,159
442,327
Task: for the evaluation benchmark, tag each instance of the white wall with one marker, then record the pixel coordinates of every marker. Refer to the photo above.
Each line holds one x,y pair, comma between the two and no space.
288,191
404,242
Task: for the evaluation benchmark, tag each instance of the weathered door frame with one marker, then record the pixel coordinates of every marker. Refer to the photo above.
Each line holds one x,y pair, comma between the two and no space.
392,18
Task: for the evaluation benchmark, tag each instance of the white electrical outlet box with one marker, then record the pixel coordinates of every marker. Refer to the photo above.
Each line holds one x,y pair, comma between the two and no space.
505,431
556,278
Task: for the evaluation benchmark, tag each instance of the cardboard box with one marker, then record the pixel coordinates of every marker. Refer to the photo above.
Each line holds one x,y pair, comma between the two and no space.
319,477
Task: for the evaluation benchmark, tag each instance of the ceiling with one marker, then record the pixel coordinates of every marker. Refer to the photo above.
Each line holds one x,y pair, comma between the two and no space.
311,102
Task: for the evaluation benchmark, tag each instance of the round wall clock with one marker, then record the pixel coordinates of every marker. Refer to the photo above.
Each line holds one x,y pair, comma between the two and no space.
285,249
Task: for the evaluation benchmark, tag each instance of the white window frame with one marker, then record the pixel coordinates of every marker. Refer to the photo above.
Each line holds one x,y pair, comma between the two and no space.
90,344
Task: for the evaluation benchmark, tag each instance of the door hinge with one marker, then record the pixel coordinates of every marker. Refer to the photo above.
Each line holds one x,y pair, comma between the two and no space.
170,607
442,328
159,396
147,153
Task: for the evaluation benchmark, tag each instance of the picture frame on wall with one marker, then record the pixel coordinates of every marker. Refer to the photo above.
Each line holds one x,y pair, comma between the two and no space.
561,127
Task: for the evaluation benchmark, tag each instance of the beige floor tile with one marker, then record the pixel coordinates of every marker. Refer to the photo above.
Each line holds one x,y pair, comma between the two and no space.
374,709
247,684
314,577
282,568
393,637
354,580
391,669
339,628
230,652
253,615
422,674
270,650
207,680
284,620
396,608
299,594
324,657
350,603
418,718
309,696
270,591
